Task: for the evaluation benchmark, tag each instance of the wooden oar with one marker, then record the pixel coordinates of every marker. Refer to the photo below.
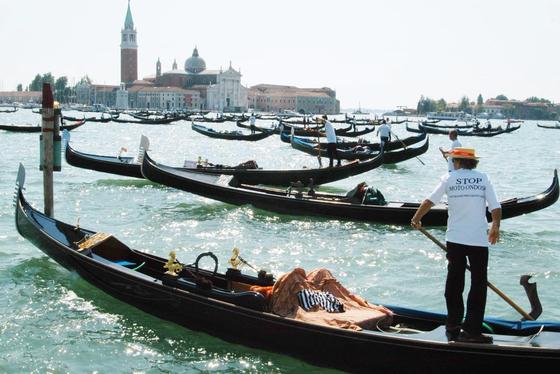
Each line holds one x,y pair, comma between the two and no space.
404,145
490,285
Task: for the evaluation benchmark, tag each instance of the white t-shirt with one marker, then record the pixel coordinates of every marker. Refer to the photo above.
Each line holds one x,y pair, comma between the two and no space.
456,143
252,120
329,131
384,131
467,192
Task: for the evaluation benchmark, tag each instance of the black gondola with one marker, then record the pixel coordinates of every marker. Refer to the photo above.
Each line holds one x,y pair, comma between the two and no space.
356,205
222,305
17,128
148,121
474,132
345,144
13,110
278,128
128,166
231,135
555,126
360,153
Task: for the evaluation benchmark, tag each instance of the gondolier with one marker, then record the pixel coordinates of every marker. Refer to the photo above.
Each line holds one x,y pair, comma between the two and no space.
384,132
468,191
454,144
331,141
252,121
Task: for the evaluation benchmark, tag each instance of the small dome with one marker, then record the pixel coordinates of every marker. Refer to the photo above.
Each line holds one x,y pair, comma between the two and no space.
195,64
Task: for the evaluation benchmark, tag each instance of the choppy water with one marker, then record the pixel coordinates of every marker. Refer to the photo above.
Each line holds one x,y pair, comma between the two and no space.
53,321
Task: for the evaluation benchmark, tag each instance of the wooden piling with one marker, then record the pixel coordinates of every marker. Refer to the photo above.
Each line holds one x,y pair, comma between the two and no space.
47,136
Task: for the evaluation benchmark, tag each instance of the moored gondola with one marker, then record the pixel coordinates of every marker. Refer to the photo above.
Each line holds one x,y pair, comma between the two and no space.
17,128
230,135
280,127
361,152
482,132
555,126
360,204
227,305
345,144
129,166
147,121
13,110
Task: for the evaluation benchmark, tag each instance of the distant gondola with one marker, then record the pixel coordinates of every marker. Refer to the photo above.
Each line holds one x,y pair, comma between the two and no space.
16,128
481,132
448,126
362,153
9,110
346,145
226,305
91,119
356,205
277,128
230,135
148,121
128,166
555,126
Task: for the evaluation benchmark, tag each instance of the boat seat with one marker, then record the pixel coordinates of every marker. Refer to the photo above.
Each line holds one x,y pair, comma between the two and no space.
125,263
248,299
88,242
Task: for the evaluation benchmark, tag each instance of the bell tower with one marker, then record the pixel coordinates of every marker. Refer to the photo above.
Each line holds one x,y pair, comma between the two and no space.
158,68
129,50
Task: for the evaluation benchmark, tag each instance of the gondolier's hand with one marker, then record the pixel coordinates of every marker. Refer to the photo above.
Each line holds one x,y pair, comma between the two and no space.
494,234
415,223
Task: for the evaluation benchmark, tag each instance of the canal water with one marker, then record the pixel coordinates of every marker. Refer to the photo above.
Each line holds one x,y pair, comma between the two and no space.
53,321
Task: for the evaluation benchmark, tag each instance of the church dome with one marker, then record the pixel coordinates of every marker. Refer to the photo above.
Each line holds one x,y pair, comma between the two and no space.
195,64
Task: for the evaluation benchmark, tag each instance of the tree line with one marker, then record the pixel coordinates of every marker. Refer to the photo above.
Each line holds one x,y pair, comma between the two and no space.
509,110
62,92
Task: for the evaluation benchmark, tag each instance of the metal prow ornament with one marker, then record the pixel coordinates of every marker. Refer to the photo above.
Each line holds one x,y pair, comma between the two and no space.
238,261
172,266
532,295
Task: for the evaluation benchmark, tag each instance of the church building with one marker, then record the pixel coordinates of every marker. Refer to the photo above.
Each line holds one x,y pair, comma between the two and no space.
216,90
220,90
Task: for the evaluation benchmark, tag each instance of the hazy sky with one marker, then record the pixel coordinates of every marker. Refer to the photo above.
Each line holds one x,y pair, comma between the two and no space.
377,54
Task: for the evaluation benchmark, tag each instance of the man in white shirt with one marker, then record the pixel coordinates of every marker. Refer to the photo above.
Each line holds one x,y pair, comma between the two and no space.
384,132
454,144
331,141
252,121
468,191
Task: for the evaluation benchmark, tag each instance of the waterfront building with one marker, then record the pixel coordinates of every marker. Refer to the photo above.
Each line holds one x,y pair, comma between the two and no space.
278,98
24,97
163,98
129,50
122,98
218,90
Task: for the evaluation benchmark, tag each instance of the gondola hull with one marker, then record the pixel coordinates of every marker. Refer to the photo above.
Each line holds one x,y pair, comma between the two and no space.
127,166
393,157
354,351
223,188
473,132
346,145
230,135
15,128
557,126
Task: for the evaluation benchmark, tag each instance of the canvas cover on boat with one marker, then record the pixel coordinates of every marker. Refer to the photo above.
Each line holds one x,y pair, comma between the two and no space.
358,313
